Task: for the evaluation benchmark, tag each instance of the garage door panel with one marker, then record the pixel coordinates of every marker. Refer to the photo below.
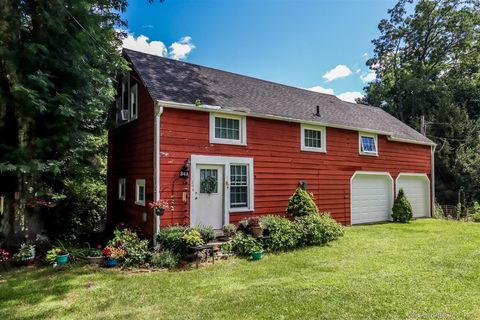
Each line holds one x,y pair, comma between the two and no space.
371,198
416,189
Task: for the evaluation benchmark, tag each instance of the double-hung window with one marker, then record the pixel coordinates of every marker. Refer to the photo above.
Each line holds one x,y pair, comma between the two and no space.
140,192
313,138
227,129
239,185
368,144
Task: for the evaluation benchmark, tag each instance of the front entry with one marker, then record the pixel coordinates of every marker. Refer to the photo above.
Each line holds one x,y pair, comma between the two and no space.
208,192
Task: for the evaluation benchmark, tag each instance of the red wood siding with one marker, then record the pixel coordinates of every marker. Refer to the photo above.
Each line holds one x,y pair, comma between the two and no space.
278,163
130,156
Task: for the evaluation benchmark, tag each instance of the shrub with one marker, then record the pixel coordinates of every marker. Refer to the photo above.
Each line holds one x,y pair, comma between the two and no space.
438,213
243,226
301,204
164,258
242,244
171,238
402,209
475,217
193,238
229,229
283,234
317,229
136,250
207,233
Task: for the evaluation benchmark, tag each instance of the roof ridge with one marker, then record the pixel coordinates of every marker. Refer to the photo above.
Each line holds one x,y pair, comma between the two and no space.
243,75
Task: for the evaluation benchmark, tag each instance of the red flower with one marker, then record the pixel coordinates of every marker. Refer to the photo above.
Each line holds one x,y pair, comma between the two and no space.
99,247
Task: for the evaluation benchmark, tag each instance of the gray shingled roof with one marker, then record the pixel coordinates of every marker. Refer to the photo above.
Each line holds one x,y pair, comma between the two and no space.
181,82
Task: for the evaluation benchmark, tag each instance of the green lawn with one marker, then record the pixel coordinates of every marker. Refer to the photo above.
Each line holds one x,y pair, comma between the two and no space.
428,269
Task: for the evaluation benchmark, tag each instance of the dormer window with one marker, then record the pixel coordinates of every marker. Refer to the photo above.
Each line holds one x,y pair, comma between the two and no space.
228,129
368,144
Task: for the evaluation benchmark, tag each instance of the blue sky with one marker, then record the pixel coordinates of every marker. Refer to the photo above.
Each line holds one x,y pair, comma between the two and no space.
320,44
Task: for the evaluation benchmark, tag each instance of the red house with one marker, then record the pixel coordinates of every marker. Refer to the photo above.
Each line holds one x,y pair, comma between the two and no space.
220,146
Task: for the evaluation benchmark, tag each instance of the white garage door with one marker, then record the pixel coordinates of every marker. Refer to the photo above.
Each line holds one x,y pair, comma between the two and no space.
372,197
416,189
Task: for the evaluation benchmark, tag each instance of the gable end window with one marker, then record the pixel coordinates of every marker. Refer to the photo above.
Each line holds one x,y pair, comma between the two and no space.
121,189
227,129
140,192
313,138
368,144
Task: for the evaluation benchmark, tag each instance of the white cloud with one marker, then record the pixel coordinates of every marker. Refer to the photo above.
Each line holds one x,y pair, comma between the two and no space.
180,49
370,76
321,89
142,44
365,56
339,71
350,96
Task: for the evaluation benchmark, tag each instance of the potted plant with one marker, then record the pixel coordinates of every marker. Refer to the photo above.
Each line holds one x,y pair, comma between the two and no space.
160,206
255,226
57,256
112,255
256,252
95,255
26,254
228,230
4,257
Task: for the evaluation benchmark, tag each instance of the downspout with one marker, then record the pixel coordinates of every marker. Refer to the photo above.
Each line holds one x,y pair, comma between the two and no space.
158,110
432,213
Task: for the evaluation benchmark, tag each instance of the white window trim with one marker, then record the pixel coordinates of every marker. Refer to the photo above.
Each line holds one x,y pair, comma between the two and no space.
226,162
140,183
323,130
133,88
243,129
371,135
121,182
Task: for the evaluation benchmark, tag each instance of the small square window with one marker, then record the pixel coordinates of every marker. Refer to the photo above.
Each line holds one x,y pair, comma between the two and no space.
121,189
368,144
313,138
140,192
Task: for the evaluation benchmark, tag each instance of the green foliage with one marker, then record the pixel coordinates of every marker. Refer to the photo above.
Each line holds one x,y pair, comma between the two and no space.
59,63
475,217
26,251
207,233
171,238
164,259
229,229
317,229
193,238
458,211
427,63
282,233
301,204
242,244
136,250
52,254
402,209
438,213
243,226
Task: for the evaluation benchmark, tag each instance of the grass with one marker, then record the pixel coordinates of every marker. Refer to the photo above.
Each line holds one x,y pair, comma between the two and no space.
428,269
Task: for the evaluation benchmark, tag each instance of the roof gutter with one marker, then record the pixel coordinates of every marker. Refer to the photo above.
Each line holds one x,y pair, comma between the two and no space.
208,108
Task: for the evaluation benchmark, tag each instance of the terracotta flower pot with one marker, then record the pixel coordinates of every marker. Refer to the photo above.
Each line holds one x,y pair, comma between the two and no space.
257,231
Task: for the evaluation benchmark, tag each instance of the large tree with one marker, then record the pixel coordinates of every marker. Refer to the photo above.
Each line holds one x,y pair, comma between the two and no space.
58,62
427,61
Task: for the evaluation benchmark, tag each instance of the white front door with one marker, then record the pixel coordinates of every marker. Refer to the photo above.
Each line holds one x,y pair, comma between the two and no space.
209,200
